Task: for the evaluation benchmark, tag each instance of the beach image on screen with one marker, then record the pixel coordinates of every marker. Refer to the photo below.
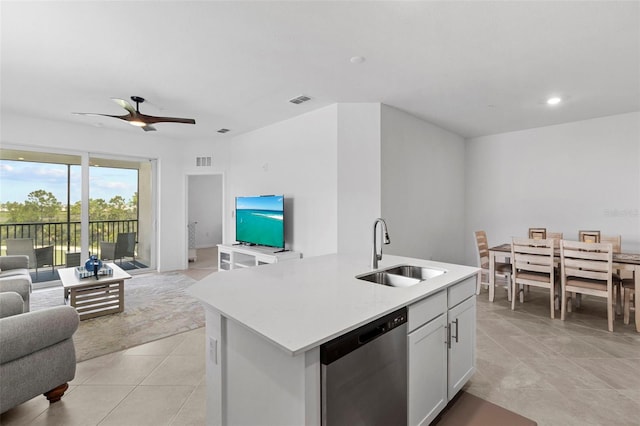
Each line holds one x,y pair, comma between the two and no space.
260,220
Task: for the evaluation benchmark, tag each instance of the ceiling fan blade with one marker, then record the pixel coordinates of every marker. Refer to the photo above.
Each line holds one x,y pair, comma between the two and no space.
121,117
148,128
150,119
124,104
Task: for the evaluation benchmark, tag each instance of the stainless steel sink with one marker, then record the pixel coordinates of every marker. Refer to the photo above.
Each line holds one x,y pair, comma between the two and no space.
420,272
401,275
391,280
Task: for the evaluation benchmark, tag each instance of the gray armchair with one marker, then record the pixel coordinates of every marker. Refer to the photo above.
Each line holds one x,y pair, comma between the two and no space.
14,276
37,354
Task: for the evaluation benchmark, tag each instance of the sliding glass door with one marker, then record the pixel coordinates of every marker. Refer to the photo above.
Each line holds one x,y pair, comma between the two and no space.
120,211
78,204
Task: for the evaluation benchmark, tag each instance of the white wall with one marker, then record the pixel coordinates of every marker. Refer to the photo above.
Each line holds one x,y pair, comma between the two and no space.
297,158
581,175
358,177
422,188
205,208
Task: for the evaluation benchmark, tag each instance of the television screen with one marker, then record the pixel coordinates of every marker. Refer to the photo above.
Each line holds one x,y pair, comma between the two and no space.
260,220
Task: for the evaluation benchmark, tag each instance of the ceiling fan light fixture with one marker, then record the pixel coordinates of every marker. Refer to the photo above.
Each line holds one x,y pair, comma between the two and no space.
137,123
554,100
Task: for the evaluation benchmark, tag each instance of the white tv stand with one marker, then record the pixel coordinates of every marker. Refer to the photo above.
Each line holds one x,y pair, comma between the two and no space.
231,256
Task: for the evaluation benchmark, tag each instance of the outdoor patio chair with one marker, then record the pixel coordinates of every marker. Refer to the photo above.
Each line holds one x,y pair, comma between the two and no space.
123,247
38,257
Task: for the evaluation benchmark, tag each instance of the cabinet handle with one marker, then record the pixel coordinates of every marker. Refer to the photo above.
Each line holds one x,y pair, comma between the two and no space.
456,323
448,339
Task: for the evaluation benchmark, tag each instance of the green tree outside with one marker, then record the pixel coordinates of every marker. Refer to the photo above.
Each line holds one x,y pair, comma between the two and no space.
42,206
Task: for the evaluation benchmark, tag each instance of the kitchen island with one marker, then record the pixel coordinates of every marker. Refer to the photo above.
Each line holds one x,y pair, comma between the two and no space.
265,326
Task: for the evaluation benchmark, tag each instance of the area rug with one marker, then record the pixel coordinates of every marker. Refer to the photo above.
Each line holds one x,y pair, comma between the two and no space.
156,306
469,410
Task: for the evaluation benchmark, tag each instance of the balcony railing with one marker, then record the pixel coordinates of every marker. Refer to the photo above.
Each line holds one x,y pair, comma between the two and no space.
65,236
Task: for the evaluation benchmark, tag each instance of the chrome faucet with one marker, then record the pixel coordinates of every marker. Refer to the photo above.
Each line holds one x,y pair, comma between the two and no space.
385,240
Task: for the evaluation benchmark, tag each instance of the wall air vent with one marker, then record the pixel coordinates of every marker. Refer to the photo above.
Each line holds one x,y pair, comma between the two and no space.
222,130
203,161
300,99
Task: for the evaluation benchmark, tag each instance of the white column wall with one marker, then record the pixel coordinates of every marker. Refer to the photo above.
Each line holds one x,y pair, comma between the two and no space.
422,188
297,158
580,175
358,177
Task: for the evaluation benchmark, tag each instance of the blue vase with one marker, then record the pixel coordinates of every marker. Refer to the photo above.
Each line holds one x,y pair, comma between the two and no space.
93,264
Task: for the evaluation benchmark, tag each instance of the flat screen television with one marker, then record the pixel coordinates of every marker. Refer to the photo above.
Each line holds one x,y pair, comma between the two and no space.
260,220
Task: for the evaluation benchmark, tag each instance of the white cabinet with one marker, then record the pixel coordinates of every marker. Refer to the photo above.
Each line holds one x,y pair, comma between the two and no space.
441,355
462,337
237,256
427,353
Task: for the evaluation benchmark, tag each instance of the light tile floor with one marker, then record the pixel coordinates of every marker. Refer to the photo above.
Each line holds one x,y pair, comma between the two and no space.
571,372
158,383
554,372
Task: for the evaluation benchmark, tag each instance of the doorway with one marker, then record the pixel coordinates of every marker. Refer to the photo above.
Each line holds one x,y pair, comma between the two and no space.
204,222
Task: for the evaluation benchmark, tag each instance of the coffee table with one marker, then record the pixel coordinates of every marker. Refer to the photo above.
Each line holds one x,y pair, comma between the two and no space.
91,297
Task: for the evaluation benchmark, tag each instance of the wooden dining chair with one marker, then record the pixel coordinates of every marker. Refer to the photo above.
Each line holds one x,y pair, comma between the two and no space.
556,237
630,299
502,270
614,240
589,236
586,269
616,245
538,233
532,265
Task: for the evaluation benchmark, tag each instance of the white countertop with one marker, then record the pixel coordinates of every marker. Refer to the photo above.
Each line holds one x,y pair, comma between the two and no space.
300,304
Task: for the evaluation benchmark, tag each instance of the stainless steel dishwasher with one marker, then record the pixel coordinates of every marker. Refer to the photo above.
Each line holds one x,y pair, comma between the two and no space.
364,374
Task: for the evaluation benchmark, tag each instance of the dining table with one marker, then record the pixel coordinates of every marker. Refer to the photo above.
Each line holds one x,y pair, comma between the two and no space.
621,261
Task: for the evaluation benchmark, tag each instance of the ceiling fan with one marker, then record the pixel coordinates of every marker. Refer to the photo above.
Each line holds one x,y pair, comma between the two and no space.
136,118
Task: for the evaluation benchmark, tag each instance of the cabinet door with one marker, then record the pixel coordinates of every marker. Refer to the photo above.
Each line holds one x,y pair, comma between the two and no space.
462,355
427,371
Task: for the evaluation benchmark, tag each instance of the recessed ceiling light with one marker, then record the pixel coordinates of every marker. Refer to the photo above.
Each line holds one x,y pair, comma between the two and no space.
554,100
357,59
20,158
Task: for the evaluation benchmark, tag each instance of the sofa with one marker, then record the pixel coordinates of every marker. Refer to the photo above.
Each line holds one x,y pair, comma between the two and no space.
37,354
15,277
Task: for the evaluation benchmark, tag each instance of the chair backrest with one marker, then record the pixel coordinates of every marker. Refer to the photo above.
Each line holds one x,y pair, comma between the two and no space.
23,246
589,236
532,255
586,260
125,245
556,237
614,240
538,233
482,248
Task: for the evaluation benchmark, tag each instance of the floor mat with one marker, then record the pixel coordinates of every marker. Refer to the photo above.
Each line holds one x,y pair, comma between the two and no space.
469,410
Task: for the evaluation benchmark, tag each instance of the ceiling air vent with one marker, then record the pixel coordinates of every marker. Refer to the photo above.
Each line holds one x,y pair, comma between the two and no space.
222,130
203,161
300,99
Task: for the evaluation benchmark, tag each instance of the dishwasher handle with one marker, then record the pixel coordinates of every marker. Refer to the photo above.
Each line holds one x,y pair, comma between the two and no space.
353,340
372,334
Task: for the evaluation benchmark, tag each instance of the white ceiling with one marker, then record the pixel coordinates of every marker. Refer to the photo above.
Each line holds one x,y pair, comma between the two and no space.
475,67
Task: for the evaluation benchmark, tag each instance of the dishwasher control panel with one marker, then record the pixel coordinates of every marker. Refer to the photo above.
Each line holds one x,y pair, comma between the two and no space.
342,345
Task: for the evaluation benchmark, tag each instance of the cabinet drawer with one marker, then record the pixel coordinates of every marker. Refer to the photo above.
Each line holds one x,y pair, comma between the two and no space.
461,291
426,310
